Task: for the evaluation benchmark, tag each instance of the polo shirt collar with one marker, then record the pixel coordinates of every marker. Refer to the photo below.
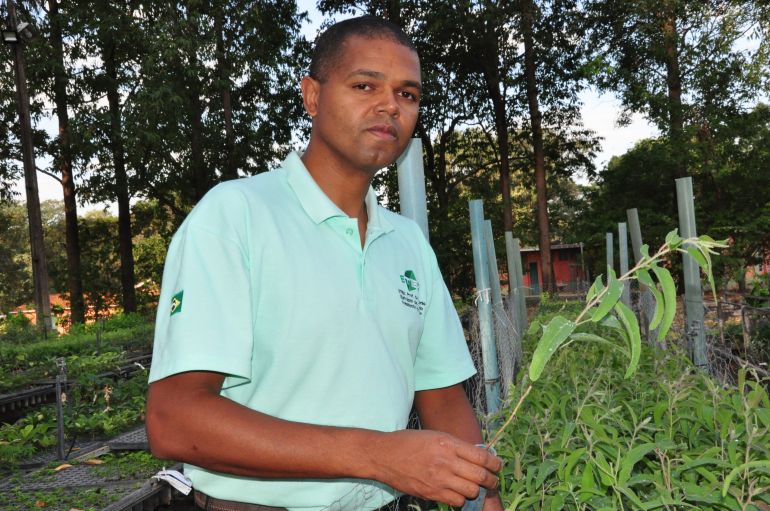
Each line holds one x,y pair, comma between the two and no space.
318,206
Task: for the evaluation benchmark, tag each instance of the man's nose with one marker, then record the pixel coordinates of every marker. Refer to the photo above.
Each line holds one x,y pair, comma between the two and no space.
388,103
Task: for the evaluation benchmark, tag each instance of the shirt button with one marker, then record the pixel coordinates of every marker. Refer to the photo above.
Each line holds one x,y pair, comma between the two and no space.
349,232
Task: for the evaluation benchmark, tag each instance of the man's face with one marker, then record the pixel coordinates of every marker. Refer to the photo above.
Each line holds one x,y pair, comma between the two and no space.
365,110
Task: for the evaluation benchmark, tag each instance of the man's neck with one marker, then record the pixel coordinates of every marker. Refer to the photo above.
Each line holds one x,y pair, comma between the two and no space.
345,187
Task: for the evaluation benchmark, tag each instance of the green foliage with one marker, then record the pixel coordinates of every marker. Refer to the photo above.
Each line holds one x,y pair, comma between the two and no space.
669,437
17,329
130,465
760,287
99,407
594,439
23,363
16,281
601,300
730,186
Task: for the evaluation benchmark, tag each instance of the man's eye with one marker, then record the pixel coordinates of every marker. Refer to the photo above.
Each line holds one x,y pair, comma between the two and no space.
362,86
409,95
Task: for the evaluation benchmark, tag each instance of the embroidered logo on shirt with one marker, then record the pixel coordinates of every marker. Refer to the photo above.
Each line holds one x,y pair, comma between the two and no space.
410,280
410,298
176,303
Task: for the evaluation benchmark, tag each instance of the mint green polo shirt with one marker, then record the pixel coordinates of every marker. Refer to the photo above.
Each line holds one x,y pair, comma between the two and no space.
266,281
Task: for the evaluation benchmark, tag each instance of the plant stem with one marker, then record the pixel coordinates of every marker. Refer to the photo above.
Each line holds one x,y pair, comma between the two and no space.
644,262
495,438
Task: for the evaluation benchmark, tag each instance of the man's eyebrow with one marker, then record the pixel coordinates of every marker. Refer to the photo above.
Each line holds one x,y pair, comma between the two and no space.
378,75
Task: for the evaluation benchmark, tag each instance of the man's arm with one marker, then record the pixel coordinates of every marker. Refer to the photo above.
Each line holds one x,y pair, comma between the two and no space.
187,420
448,410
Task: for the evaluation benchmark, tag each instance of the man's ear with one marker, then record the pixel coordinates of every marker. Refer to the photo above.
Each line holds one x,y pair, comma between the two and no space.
310,91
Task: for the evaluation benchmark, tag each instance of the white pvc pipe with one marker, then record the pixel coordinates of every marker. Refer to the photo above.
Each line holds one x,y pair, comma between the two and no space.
411,185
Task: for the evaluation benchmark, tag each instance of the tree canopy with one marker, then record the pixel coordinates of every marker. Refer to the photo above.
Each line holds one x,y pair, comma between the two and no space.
164,100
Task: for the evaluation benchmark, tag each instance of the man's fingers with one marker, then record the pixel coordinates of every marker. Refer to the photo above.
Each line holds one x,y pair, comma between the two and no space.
452,498
477,475
479,456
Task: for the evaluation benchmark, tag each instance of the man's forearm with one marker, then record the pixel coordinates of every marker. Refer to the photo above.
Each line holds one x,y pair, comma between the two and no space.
187,420
211,431
448,410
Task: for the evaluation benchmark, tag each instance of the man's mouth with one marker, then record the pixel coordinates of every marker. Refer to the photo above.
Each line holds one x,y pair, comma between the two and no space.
385,131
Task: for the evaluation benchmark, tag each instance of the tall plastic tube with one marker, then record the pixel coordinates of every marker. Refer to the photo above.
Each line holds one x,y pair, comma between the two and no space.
516,283
623,255
484,304
693,294
648,301
411,185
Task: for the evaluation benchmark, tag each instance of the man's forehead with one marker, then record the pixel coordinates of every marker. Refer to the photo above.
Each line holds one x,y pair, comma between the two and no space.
355,45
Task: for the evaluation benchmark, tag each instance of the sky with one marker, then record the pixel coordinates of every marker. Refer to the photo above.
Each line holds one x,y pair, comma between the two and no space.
600,111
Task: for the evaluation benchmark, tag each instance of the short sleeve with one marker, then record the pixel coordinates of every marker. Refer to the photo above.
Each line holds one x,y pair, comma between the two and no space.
442,358
204,317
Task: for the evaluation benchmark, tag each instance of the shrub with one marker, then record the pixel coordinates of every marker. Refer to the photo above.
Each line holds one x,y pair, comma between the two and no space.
668,437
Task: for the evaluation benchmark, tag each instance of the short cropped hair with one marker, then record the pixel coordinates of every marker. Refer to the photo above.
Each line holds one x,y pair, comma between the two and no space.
328,46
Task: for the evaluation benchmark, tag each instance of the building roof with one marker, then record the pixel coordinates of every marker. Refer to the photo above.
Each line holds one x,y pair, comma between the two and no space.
561,246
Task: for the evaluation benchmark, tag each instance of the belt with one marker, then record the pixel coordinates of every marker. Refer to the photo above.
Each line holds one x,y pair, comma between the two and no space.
207,503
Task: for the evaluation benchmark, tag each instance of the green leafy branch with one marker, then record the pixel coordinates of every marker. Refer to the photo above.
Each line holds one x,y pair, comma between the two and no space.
603,306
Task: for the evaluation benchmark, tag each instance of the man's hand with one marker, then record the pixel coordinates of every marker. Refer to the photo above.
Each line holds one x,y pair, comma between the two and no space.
434,466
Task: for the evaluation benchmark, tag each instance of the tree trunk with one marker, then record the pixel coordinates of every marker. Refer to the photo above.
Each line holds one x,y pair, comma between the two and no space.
230,171
39,266
74,278
544,228
492,81
674,86
127,278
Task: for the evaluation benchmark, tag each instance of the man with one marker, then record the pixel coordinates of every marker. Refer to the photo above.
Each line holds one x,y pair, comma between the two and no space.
299,321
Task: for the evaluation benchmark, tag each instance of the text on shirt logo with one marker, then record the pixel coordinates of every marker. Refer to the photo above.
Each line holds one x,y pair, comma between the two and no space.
409,298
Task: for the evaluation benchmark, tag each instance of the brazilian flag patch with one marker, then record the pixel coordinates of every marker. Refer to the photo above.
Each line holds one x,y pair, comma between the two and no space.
176,303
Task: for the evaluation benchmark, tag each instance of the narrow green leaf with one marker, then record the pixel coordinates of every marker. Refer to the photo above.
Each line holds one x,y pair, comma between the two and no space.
708,270
571,461
673,239
693,464
587,481
631,458
533,328
594,289
583,336
546,468
645,250
657,412
669,300
763,414
629,493
697,255
606,474
645,278
614,290
628,318
612,322
701,256
734,472
554,334
697,493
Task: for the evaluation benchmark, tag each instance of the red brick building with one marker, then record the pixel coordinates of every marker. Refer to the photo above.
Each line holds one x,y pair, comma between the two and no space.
568,267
